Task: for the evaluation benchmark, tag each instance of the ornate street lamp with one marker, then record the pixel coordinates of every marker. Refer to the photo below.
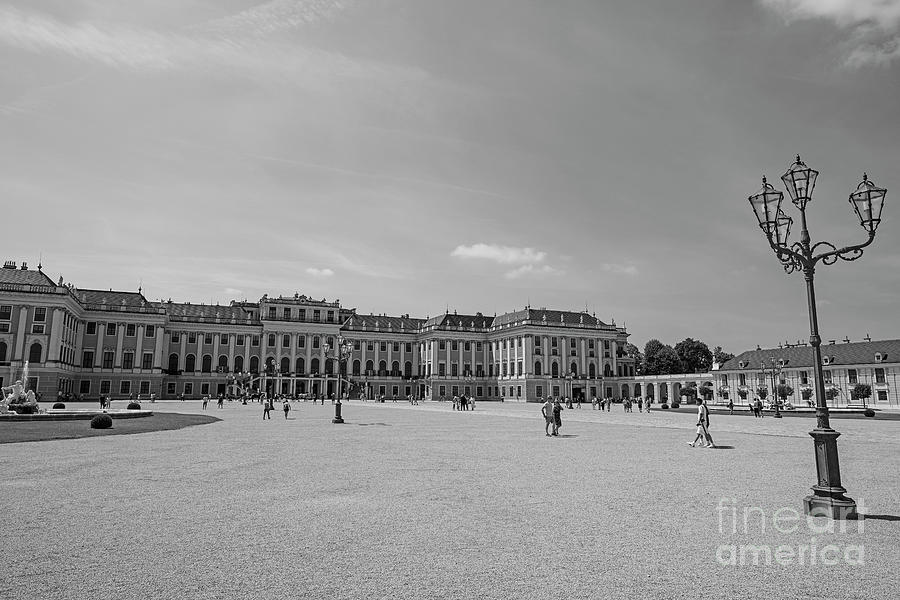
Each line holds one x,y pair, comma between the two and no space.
829,496
341,352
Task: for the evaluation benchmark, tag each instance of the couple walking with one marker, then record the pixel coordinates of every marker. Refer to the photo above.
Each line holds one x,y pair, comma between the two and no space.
552,411
703,427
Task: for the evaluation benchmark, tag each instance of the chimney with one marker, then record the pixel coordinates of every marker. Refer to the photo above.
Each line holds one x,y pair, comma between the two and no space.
10,264
24,266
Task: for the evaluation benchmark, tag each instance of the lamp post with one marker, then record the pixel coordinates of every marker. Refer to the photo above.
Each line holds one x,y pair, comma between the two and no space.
772,373
828,496
340,352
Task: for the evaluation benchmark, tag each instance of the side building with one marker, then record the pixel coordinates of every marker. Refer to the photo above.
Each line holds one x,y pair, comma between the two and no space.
90,343
845,364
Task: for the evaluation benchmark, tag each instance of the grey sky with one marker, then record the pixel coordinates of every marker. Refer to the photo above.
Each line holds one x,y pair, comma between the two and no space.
406,155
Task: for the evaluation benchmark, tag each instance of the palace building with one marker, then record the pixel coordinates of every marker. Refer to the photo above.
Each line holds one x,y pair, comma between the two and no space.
90,343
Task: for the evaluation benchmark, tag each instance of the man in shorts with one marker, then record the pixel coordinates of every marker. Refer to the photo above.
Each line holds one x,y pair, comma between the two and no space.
547,411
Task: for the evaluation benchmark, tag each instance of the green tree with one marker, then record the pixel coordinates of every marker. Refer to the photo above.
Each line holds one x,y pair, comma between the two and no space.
689,391
861,391
706,391
695,355
638,356
720,356
783,390
660,359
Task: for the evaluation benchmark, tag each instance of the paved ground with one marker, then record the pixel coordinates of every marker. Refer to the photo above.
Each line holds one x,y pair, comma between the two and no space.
43,430
423,502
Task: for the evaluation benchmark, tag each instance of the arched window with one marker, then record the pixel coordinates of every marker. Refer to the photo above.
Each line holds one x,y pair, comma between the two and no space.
395,369
592,370
314,366
238,364
554,369
637,389
607,370
2,351
537,367
573,368
329,366
300,366
190,363
624,390
407,369
34,354
223,363
173,362
356,367
206,366
382,368
370,367
254,364
285,365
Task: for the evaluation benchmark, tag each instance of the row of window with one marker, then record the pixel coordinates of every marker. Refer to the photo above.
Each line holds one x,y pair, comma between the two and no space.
125,387
108,356
827,375
289,313
517,343
515,369
112,329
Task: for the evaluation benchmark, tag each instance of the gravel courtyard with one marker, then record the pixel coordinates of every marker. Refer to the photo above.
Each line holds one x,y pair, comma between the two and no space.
423,502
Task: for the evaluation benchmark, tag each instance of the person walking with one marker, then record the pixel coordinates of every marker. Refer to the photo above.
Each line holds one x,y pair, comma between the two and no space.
286,407
608,404
557,416
703,427
547,411
267,410
221,401
730,407
647,404
640,402
205,401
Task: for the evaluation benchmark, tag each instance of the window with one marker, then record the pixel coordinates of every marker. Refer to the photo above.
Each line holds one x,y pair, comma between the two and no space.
190,363
206,363
254,341
37,328
91,328
287,313
606,346
382,346
150,331
317,316
554,342
827,376
188,389
879,376
442,369
442,390
442,345
192,338
145,388
170,388
105,386
239,341
273,312
454,370
110,329
84,386
176,339
518,391
173,363
742,379
40,314
356,345
851,375
804,378
124,387
330,316
87,359
408,347
108,359
147,360
882,396
286,340
316,341
5,313
271,340
301,341
396,346
208,339
128,360
370,346
238,364
223,339
130,330
591,344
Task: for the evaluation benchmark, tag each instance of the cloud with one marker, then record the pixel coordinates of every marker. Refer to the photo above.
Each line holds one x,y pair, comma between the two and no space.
275,15
619,269
504,255
874,25
319,272
532,270
230,291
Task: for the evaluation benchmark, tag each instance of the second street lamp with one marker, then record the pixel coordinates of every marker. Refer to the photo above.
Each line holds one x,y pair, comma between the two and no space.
340,353
771,373
829,496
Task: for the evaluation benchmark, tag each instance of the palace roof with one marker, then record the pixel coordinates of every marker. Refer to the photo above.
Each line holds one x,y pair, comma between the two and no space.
24,276
853,353
550,317
110,298
383,322
205,311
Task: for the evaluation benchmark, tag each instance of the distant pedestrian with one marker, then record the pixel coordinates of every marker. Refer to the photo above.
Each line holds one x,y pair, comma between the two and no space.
703,427
286,406
608,404
267,410
221,401
557,416
205,401
730,407
547,411
647,404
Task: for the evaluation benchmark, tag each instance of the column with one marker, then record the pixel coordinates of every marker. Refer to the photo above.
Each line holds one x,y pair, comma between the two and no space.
79,343
55,335
98,352
139,348
293,350
160,347
181,356
545,350
231,347
583,369
120,342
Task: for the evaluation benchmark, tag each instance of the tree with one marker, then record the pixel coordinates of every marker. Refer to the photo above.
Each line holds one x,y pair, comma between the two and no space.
695,355
690,391
633,351
660,359
806,393
783,390
742,392
831,392
720,356
706,391
762,392
861,391
723,392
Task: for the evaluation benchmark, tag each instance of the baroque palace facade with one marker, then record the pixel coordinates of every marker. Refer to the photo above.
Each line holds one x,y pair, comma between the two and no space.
90,343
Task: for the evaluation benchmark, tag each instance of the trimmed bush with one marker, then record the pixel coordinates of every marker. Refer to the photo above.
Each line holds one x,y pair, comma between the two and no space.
59,405
664,406
869,412
24,409
133,406
675,405
101,422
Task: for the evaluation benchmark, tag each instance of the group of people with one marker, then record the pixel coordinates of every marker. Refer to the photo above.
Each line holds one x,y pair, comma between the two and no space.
703,435
463,402
552,412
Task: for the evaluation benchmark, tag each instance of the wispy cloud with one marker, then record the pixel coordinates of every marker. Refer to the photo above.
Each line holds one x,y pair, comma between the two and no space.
230,291
527,261
874,25
619,269
504,255
275,15
319,272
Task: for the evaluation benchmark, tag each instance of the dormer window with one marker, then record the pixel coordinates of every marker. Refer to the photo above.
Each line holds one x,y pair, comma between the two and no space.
826,360
879,357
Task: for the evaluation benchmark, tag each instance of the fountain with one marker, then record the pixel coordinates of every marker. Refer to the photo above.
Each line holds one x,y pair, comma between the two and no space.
20,399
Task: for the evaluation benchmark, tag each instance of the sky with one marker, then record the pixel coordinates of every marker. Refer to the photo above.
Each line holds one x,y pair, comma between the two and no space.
418,156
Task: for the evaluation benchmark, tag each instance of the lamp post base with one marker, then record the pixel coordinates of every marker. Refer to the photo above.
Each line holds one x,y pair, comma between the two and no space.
337,413
829,497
